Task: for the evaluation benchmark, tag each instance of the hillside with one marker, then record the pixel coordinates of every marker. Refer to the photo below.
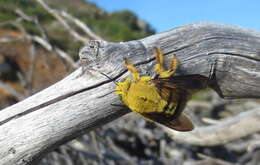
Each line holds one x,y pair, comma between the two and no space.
117,26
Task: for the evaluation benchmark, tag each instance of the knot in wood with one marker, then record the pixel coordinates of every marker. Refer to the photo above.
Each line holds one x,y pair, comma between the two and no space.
91,56
89,52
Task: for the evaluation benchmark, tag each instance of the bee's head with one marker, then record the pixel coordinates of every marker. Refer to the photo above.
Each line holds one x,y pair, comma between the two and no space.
122,87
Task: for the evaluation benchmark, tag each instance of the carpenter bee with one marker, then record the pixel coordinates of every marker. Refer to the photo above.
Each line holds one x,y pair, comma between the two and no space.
163,98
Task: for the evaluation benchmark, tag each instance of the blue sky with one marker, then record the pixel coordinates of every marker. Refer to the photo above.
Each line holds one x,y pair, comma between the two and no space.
167,14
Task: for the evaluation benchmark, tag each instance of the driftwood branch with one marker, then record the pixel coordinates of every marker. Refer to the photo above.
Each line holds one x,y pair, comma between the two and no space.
11,90
64,23
43,40
85,100
246,123
81,25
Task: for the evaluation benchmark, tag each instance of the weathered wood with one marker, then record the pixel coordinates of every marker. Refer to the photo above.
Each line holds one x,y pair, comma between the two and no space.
84,101
230,129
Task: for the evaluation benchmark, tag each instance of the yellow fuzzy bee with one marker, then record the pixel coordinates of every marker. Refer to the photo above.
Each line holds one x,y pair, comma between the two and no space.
160,99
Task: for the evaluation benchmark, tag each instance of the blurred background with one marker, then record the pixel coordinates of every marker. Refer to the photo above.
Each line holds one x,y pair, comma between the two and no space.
39,44
167,14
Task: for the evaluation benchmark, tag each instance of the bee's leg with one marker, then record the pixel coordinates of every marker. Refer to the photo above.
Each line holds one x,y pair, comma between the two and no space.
159,58
133,70
174,64
159,69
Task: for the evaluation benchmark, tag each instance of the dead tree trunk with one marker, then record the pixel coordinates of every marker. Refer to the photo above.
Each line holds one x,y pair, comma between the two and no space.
85,100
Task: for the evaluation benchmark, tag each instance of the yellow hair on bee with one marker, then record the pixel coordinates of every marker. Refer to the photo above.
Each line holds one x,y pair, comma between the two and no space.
142,96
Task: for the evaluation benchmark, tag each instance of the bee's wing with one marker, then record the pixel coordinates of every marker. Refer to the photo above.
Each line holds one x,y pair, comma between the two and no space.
191,82
178,89
182,123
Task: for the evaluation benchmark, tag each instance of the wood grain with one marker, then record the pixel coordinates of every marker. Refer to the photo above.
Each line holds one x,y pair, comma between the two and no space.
82,101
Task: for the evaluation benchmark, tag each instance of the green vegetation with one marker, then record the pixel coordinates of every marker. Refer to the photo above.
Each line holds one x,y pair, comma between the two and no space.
117,26
120,26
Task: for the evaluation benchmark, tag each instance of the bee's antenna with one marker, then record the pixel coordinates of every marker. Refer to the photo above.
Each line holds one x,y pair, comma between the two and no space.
115,82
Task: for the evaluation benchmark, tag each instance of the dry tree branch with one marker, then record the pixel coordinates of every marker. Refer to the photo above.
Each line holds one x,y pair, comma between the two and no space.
209,160
56,15
81,25
9,39
233,128
43,40
34,21
11,91
45,44
85,100
31,69
76,21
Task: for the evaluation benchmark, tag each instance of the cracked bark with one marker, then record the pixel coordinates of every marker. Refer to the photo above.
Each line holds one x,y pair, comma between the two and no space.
85,100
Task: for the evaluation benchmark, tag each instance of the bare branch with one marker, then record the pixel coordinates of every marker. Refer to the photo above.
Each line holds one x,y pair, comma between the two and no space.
86,100
31,69
56,15
246,123
9,89
34,21
66,57
62,54
210,160
41,41
44,41
9,39
23,15
82,25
